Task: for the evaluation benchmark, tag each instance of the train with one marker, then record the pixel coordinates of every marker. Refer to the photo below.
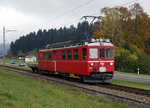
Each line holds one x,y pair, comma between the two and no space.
92,61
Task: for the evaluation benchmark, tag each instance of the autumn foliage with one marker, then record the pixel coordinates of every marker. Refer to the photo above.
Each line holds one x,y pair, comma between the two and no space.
129,30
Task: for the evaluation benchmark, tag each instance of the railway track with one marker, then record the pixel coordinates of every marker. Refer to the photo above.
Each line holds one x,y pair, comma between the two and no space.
89,89
138,91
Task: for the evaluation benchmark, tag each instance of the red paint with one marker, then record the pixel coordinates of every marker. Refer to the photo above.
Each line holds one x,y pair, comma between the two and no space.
80,67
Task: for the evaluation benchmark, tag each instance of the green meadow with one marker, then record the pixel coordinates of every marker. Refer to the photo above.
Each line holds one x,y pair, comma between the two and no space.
18,91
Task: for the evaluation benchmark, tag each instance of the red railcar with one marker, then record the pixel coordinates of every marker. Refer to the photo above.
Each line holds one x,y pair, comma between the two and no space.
93,61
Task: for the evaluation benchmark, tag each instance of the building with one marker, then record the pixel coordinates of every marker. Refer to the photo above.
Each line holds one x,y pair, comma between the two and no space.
21,56
30,58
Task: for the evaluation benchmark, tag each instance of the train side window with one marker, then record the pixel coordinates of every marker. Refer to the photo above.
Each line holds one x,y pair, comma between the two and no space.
75,54
84,53
56,55
102,53
50,55
69,54
45,55
63,55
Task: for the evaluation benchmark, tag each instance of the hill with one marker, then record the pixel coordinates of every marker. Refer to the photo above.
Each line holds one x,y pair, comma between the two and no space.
33,52
7,47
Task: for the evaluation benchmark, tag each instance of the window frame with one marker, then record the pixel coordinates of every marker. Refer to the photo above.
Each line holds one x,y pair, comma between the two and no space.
55,55
63,55
45,55
84,56
97,53
69,57
103,53
76,56
49,55
111,53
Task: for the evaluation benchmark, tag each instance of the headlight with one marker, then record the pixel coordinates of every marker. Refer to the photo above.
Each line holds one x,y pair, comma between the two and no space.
111,64
92,64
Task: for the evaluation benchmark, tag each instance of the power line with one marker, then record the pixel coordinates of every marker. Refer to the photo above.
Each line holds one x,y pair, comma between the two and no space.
129,2
71,22
61,15
70,11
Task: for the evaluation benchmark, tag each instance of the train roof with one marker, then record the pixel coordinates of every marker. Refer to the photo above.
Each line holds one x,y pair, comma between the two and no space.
70,44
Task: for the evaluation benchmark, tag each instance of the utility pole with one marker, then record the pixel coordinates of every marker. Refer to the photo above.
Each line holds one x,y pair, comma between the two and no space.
3,45
5,31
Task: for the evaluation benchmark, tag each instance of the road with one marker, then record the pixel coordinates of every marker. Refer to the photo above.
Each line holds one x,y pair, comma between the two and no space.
13,64
134,78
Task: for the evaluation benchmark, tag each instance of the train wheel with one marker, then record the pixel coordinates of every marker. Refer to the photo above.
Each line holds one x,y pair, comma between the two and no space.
39,71
33,70
36,70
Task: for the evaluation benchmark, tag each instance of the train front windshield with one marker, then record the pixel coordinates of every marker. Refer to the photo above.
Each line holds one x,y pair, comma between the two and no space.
93,53
104,53
109,53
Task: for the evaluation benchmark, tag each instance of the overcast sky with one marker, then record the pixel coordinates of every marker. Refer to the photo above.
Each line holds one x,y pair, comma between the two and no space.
26,16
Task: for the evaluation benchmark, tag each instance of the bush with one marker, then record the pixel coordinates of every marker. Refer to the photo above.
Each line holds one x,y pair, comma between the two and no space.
144,63
125,61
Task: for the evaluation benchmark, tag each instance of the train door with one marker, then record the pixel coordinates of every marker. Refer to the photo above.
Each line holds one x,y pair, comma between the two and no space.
102,54
55,60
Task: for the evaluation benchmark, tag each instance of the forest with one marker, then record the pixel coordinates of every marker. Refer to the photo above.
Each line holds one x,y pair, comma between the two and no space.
43,37
127,28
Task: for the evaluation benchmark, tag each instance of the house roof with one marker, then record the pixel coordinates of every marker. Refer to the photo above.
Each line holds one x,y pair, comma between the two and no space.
29,56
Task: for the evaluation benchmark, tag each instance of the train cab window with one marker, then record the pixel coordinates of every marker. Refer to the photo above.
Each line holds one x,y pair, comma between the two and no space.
50,55
45,55
109,53
102,53
75,54
93,53
84,53
69,54
63,55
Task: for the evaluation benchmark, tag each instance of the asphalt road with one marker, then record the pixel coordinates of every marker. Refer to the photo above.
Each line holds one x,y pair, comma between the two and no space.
13,64
134,78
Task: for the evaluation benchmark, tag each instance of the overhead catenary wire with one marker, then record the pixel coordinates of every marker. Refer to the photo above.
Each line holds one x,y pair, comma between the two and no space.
129,2
70,11
71,22
61,15
94,13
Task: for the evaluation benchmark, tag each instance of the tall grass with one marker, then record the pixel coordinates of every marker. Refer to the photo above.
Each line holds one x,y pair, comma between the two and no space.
17,91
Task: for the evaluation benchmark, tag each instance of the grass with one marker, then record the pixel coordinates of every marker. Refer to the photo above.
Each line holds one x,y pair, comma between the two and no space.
22,67
17,61
17,91
132,84
7,60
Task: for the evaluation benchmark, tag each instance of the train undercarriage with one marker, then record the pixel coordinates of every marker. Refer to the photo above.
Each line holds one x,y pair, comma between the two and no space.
93,78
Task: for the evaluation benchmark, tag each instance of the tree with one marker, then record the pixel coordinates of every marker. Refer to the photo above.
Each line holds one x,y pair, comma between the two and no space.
43,37
129,30
110,27
9,54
